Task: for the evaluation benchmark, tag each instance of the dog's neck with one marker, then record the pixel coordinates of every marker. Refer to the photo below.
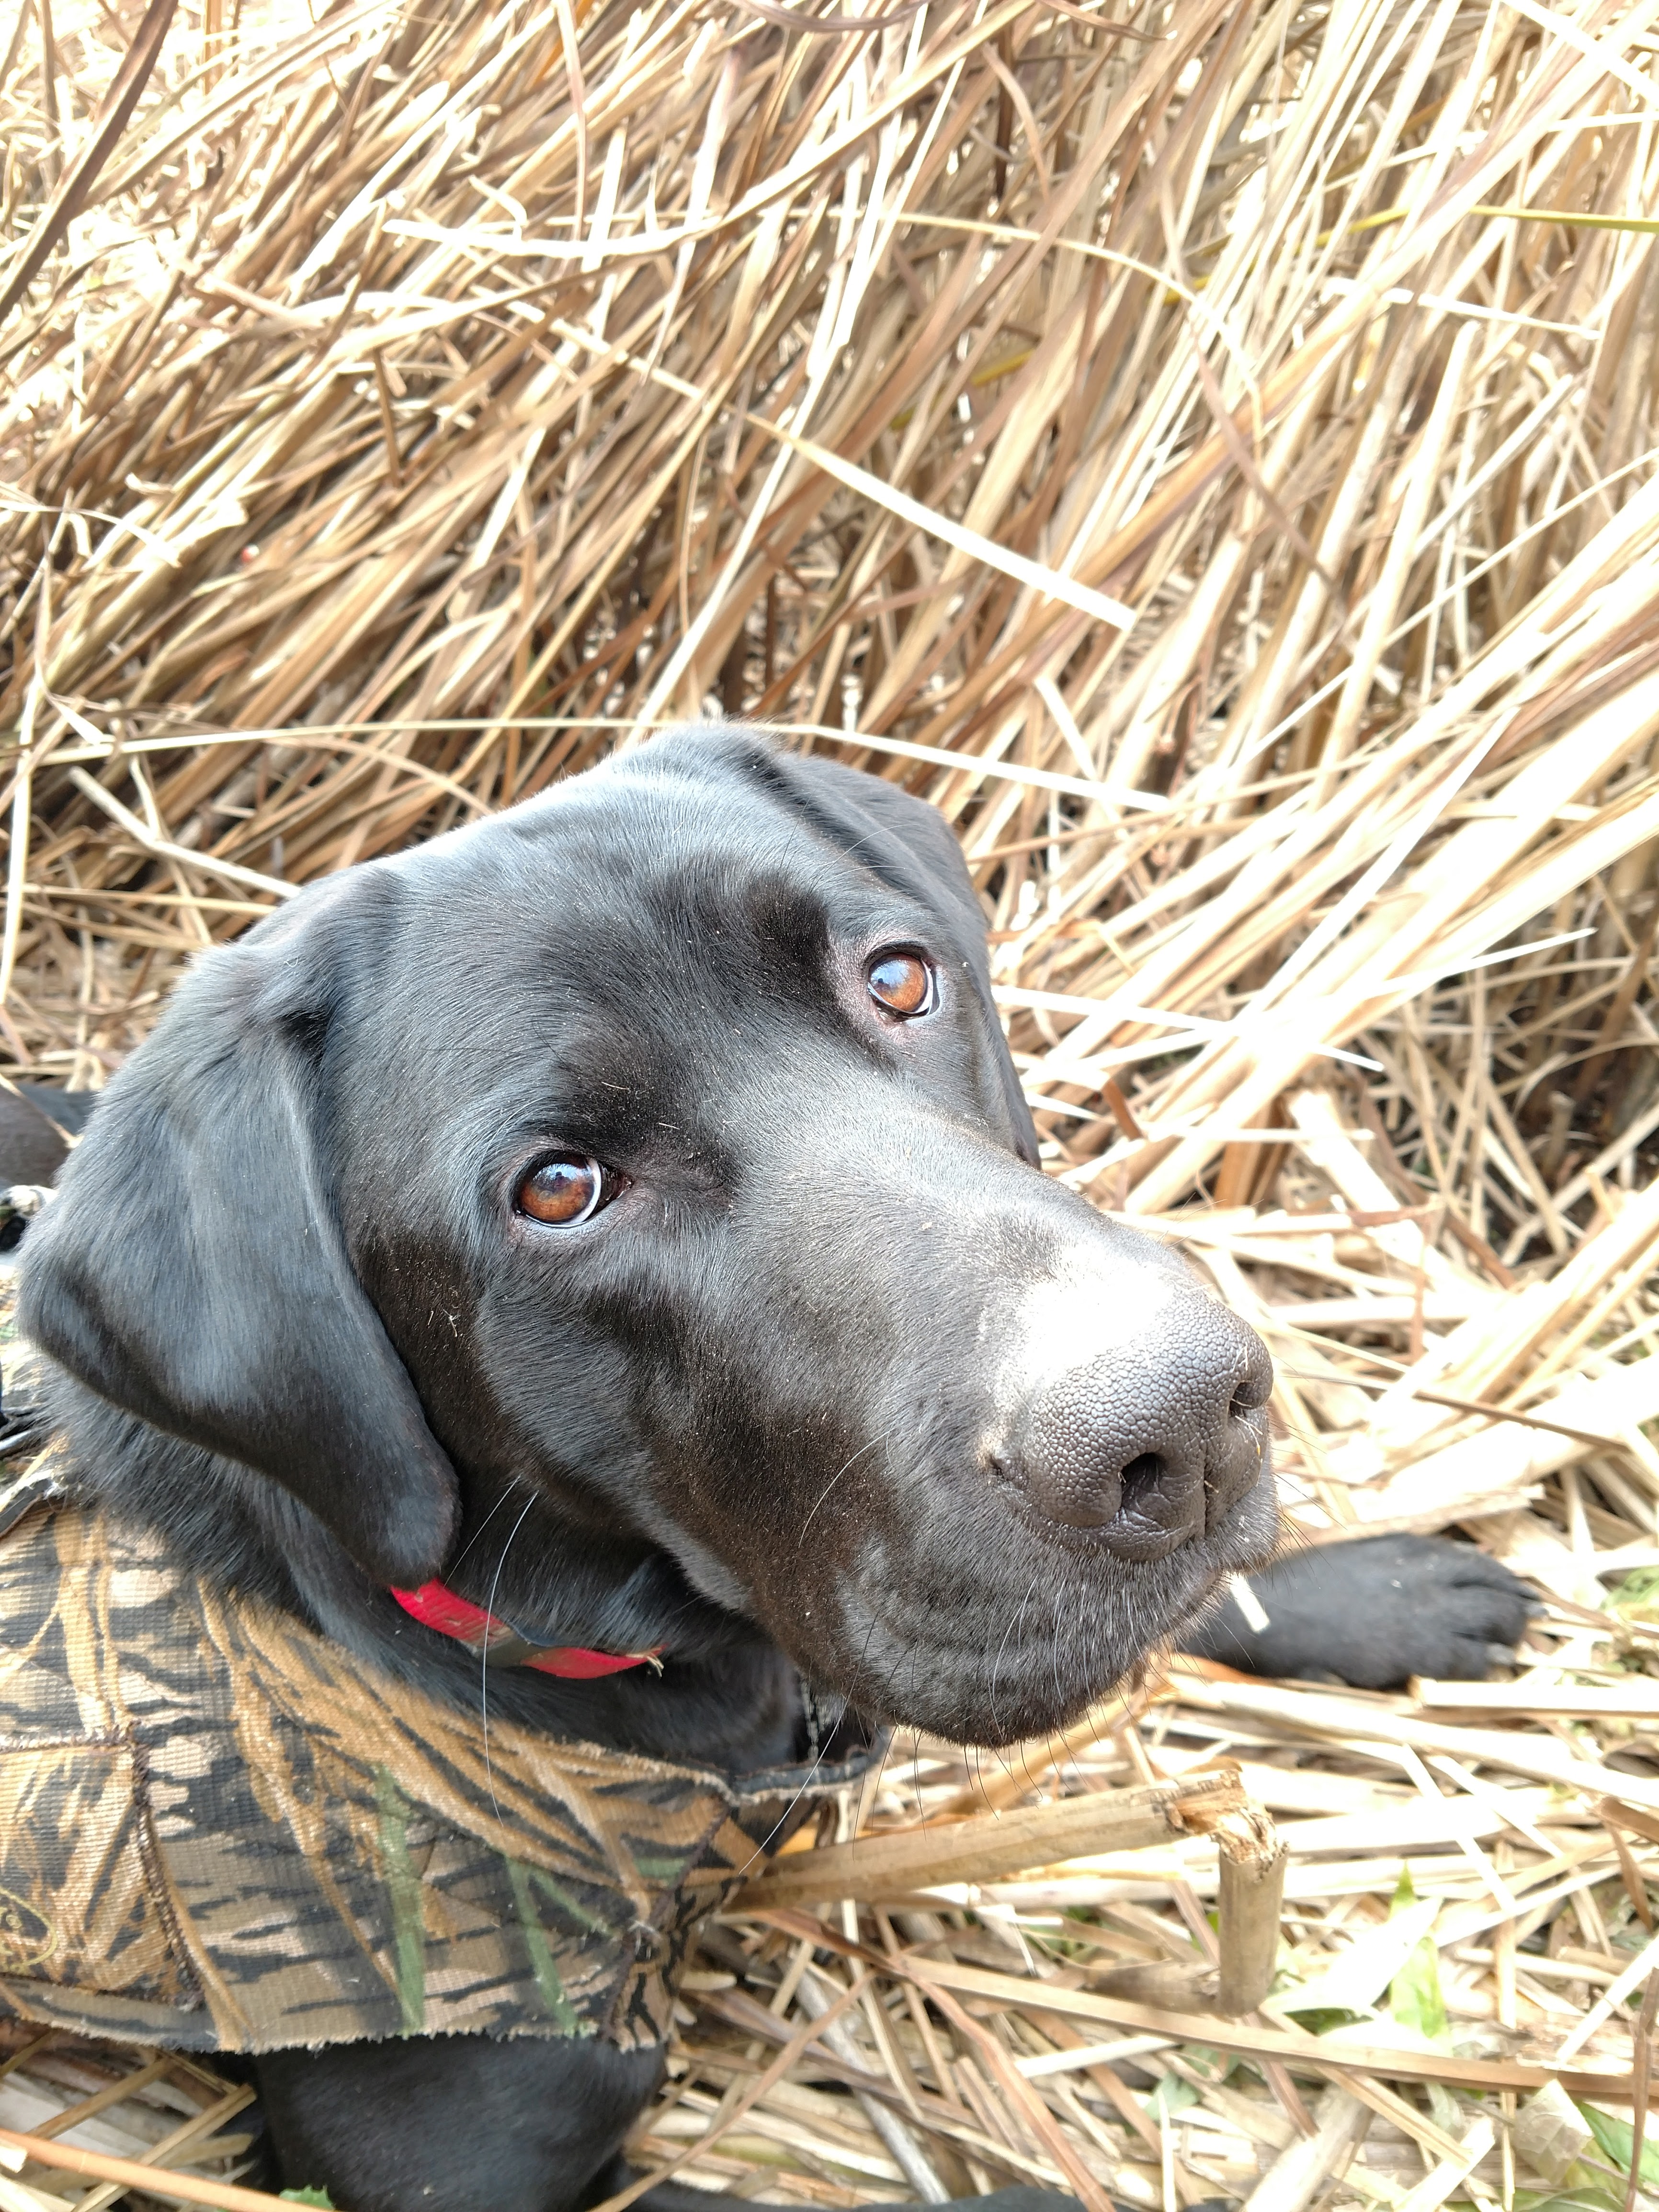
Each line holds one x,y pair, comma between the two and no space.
726,1695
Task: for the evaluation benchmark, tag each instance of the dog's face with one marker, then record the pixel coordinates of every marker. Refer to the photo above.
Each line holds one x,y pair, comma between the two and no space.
655,1150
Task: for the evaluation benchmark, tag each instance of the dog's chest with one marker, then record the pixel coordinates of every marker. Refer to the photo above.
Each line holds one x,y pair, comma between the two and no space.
218,1831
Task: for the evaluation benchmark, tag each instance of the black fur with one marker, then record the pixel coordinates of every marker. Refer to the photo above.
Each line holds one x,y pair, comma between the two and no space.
769,1410
1373,1614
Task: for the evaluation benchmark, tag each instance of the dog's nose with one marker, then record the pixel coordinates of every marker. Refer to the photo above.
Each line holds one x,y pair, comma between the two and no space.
1154,1441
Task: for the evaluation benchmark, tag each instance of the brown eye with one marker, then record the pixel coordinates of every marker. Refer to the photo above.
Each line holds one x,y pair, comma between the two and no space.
904,983
563,1190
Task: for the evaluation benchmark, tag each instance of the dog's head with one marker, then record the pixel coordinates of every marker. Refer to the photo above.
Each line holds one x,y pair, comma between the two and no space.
653,1152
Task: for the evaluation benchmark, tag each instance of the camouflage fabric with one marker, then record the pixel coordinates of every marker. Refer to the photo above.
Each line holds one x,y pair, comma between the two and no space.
219,1831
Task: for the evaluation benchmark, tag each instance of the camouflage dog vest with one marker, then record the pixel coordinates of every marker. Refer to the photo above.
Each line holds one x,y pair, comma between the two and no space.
219,1831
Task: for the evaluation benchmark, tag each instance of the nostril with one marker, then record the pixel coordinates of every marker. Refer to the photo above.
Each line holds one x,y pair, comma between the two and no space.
1256,1385
1163,1505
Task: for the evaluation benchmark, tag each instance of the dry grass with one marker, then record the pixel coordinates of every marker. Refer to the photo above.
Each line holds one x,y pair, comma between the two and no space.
434,396
421,407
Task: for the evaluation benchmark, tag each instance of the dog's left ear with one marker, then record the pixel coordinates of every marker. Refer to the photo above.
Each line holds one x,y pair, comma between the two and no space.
909,844
191,1268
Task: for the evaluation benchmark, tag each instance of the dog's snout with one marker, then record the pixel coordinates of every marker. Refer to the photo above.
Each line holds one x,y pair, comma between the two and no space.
1154,1441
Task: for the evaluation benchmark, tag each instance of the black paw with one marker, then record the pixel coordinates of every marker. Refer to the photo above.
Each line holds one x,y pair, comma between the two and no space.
1372,1613
1025,2200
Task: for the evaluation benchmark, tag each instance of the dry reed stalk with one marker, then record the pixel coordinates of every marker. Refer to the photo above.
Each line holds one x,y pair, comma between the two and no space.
391,497
75,2112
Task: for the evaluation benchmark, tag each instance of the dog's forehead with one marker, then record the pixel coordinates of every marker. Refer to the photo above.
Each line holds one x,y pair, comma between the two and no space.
616,943
660,947
613,885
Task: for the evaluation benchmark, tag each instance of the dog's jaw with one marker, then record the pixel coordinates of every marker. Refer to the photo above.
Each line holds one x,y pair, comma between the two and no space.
1079,1629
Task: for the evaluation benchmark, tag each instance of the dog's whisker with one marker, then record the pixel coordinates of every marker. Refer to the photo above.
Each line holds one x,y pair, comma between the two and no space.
764,1844
483,1656
874,1788
1054,1667
973,1758
835,1478
1012,1628
1056,1780
511,1481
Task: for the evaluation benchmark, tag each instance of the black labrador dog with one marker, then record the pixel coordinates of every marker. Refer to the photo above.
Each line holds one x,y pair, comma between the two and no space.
627,1209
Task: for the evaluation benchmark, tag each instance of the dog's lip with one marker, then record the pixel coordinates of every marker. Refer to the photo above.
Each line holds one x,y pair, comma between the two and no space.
873,1611
1065,1682
879,1615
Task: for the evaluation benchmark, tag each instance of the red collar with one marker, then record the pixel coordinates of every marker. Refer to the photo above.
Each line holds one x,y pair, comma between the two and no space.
437,1606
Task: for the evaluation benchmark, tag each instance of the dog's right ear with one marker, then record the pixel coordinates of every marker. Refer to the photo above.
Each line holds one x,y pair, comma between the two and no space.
191,1268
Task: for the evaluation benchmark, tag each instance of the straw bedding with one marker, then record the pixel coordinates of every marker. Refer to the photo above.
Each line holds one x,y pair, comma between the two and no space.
1209,451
